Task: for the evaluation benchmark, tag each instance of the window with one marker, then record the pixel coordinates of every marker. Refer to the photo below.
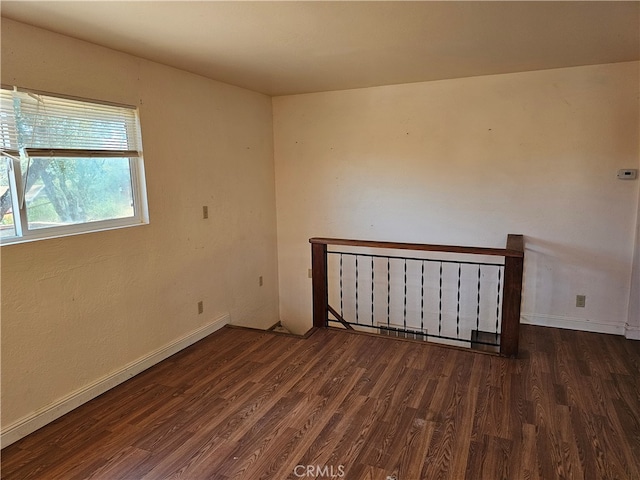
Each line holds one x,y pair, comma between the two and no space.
68,166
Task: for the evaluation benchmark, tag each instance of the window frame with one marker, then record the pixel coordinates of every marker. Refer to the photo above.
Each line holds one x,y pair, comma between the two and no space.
14,171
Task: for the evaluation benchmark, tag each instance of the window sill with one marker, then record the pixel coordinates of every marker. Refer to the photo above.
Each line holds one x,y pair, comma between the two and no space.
68,231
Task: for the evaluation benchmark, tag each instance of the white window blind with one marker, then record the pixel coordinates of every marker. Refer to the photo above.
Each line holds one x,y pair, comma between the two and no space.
66,127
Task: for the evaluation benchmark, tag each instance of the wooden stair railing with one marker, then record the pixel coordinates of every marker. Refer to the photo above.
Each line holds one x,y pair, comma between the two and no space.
513,256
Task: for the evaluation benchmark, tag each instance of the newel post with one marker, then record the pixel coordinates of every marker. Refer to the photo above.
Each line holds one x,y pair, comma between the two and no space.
319,283
513,270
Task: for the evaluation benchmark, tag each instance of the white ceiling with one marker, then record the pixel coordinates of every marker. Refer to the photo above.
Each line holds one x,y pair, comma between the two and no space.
296,47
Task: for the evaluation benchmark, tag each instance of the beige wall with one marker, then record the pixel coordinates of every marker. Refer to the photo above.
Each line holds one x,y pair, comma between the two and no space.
633,324
466,162
78,308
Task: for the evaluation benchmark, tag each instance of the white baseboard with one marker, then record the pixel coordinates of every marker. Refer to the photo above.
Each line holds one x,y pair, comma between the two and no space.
30,423
572,323
632,333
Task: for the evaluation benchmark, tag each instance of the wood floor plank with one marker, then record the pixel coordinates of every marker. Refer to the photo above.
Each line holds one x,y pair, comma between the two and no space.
525,455
418,439
244,404
120,465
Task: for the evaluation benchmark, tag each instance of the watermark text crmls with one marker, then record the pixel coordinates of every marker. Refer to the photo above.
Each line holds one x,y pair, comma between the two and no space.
319,471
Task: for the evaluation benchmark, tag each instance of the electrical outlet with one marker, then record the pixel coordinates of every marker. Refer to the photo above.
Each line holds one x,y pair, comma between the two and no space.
310,273
260,280
205,212
200,307
581,300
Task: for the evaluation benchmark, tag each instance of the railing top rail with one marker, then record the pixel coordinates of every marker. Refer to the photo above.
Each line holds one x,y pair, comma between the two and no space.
515,246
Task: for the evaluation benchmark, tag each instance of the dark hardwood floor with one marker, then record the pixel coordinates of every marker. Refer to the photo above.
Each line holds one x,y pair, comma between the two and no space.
244,404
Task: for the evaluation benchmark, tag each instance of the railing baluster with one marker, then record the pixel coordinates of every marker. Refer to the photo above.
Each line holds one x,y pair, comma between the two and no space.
422,299
458,306
404,318
498,303
478,303
372,289
341,292
356,288
388,292
440,304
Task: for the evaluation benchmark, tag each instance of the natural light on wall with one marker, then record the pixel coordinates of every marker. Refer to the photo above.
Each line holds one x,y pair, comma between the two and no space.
69,166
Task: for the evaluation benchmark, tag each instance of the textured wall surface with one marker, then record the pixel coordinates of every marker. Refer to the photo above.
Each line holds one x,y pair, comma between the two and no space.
466,162
633,324
76,309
